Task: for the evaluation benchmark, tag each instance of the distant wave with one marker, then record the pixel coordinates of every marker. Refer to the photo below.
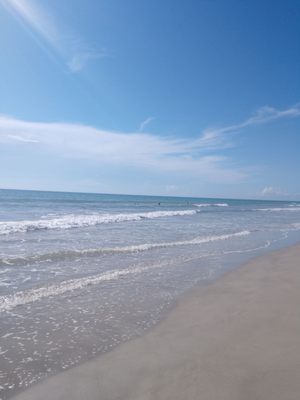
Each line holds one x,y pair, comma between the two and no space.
28,296
68,254
211,205
278,209
79,221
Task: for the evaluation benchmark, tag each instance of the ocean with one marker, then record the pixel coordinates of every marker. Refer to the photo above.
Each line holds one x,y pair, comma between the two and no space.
81,273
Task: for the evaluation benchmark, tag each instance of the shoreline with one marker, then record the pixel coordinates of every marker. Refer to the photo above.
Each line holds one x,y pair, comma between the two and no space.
237,338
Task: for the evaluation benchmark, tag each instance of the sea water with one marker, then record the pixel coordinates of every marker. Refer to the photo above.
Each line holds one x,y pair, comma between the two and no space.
81,273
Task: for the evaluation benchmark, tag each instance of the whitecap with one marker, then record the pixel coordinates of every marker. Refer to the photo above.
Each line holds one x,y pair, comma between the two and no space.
278,209
84,220
211,205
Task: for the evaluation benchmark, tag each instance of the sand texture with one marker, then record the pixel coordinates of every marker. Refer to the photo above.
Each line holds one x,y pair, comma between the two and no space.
236,339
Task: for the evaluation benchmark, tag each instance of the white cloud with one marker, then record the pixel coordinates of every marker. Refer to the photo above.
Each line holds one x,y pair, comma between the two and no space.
272,191
197,160
261,116
19,138
79,60
146,122
141,150
69,46
268,190
172,189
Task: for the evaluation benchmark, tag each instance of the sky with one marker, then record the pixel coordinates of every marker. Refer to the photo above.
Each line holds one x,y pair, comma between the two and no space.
184,98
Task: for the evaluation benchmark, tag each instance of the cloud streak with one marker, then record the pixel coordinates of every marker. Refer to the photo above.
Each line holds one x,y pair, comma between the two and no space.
146,122
200,159
138,150
70,47
261,116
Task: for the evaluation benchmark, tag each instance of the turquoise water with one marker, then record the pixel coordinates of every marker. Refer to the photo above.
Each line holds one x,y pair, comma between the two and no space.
80,273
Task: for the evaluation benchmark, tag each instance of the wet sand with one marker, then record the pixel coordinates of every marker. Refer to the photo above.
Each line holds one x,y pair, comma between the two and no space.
236,339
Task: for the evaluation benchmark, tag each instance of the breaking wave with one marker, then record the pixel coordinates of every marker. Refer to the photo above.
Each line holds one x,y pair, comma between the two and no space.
211,205
79,221
278,209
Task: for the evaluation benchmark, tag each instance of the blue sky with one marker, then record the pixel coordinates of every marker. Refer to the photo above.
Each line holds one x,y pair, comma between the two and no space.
196,98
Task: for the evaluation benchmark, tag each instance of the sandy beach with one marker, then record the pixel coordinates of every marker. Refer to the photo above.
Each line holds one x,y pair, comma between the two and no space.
236,339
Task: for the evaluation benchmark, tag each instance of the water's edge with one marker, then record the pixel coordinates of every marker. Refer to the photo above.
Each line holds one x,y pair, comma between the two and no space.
170,308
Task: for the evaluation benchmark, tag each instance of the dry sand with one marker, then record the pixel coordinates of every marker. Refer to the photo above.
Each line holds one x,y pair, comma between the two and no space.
237,339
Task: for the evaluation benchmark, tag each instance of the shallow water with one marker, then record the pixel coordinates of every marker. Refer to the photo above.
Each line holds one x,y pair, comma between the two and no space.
80,273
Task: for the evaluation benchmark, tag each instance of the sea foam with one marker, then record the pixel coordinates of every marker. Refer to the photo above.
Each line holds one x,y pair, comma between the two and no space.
68,254
278,209
28,296
78,221
211,205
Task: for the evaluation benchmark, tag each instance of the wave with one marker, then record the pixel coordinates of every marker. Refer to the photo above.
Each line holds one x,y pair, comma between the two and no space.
9,302
79,221
69,254
278,209
211,205
29,296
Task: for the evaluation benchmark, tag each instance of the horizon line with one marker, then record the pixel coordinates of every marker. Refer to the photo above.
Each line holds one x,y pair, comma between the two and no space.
148,195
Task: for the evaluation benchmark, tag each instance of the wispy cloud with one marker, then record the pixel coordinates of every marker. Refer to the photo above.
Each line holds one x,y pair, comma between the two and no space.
70,47
146,122
200,159
80,59
139,150
261,116
19,138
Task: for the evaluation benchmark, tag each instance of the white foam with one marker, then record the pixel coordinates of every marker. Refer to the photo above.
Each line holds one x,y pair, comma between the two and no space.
149,246
3,271
124,249
9,302
211,205
22,298
82,220
278,209
4,283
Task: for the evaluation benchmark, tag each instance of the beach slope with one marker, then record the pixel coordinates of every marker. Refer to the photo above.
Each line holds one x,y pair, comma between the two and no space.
236,339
